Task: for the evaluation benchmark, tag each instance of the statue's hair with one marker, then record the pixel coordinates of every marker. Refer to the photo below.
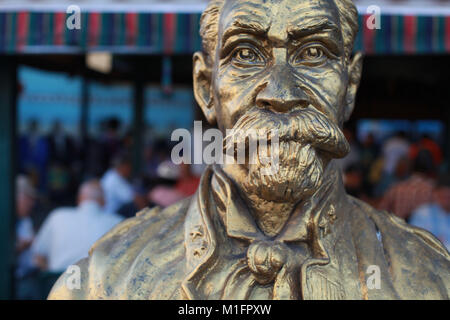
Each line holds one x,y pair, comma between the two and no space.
209,25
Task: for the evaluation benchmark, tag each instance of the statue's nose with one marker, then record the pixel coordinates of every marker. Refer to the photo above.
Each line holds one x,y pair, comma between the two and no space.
281,94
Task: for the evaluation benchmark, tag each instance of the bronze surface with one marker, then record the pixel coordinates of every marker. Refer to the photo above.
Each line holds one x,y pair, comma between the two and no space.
296,234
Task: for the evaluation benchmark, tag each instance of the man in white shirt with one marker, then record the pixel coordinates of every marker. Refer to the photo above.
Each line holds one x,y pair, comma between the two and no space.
25,200
118,190
435,216
68,233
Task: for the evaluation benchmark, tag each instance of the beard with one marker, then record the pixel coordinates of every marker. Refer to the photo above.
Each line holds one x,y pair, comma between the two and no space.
307,141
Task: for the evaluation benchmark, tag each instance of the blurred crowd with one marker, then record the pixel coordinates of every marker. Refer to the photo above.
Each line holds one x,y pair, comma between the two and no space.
69,192
404,176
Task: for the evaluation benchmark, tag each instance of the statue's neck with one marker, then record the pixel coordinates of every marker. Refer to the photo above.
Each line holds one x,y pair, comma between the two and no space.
270,216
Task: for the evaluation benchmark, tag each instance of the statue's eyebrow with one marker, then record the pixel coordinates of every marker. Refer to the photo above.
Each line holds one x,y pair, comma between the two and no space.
240,26
305,28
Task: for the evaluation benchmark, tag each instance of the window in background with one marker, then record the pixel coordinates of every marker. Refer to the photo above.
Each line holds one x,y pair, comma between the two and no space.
48,97
167,112
107,102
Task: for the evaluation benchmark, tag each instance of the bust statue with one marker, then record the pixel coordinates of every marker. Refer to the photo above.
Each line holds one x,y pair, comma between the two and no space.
295,234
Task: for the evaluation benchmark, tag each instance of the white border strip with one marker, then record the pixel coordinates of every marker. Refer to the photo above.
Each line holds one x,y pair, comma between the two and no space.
433,10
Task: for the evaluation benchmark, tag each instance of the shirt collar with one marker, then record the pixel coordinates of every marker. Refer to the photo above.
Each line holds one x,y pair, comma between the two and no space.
89,206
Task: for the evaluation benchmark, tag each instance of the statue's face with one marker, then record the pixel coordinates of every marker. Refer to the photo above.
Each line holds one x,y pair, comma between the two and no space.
281,64
279,55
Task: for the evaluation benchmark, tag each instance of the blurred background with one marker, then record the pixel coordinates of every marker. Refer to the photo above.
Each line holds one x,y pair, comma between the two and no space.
88,107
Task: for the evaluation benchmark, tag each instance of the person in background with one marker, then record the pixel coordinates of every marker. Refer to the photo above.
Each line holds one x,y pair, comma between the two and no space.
63,164
115,182
25,201
164,193
353,181
68,233
435,216
354,156
34,155
405,196
140,201
93,155
426,143
62,148
110,141
369,150
155,154
393,150
187,182
369,153
402,172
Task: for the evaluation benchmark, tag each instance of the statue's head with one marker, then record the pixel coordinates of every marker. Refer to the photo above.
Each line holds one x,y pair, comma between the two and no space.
285,65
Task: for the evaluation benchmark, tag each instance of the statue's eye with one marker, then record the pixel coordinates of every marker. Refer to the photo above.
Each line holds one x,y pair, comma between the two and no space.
311,55
247,56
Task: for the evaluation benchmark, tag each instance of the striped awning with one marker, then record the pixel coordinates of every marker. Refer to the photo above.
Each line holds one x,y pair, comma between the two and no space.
165,32
130,32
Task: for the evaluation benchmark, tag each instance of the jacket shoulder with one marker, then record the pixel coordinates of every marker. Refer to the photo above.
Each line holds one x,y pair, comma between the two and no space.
418,262
395,227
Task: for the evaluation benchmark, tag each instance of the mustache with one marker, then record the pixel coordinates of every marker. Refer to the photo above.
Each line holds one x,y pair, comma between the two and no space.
306,126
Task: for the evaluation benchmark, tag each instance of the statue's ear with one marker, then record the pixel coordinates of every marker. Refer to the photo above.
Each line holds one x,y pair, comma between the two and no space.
202,86
354,73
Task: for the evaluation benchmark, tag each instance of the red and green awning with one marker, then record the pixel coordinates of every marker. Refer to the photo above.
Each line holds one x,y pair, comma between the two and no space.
403,34
165,33
177,33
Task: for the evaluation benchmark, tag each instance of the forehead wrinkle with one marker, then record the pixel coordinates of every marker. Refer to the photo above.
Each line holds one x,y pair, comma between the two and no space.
302,14
244,17
244,11
248,5
242,24
311,26
327,12
300,18
323,7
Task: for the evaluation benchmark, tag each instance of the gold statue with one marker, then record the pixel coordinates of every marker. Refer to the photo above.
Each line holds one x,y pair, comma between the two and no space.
296,234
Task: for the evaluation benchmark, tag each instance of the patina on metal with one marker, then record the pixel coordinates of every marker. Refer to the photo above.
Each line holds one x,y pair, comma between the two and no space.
296,234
